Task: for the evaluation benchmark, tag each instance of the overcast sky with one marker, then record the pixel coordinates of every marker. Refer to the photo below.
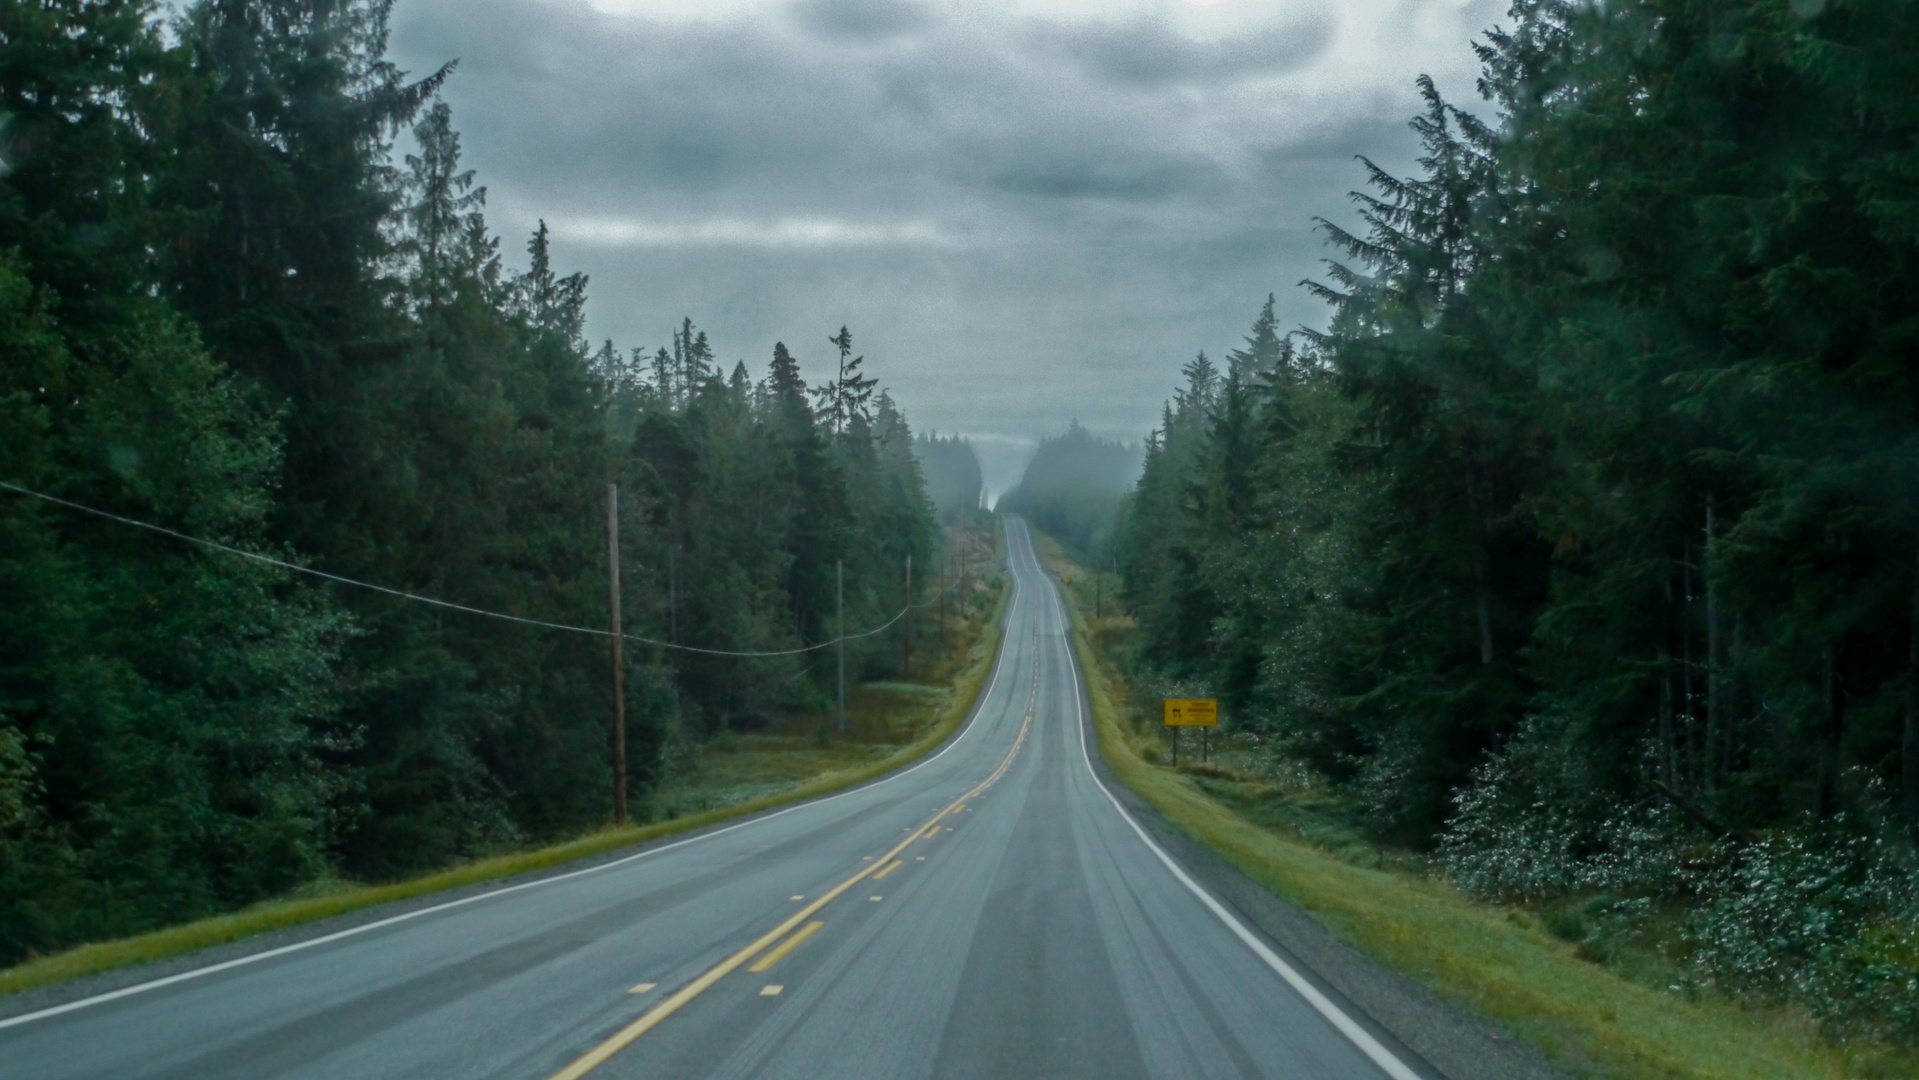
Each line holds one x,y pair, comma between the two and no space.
1027,212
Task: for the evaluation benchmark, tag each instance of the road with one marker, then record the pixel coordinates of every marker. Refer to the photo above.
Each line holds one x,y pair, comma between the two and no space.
992,913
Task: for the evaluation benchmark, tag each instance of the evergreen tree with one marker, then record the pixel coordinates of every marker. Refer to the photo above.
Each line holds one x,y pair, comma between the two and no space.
952,471
846,399
1072,488
165,711
225,312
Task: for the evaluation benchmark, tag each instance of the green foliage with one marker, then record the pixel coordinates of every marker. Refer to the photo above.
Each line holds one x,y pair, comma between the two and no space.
743,491
952,475
224,309
1585,531
1072,488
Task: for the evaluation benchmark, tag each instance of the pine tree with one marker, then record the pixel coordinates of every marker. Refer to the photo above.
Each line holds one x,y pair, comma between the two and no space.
165,712
846,400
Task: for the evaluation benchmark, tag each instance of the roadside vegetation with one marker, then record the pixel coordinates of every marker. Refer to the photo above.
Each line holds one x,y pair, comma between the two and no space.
1072,487
890,724
1601,999
885,719
1573,561
249,294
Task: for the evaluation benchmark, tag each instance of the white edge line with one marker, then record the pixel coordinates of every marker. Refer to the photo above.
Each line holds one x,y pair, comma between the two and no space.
1388,1061
254,958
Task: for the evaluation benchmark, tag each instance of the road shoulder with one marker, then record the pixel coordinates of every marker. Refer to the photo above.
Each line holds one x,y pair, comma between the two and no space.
1449,1041
1440,1039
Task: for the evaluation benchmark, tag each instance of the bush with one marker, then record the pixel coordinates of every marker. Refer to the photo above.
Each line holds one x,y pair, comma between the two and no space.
1824,915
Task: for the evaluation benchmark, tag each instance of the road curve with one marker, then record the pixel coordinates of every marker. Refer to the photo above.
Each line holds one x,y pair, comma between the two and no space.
989,914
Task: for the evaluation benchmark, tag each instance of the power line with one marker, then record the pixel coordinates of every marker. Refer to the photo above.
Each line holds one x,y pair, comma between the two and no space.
297,568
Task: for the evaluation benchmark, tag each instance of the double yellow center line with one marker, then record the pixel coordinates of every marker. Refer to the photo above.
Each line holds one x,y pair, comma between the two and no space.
652,1017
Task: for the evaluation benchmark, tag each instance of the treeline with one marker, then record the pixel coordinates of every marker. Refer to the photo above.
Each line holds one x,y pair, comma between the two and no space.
1582,544
1073,487
755,516
952,472
229,306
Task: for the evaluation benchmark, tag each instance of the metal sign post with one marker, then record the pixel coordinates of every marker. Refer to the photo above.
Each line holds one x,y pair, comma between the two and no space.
1202,713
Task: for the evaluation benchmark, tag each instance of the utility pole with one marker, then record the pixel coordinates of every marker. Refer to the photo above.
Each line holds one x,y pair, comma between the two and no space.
906,642
839,600
962,587
619,652
672,579
943,603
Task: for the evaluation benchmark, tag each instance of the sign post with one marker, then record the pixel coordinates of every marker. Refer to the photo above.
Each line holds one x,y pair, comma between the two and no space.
1202,713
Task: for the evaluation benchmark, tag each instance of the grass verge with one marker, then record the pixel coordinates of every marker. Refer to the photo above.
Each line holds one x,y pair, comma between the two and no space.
343,898
1496,961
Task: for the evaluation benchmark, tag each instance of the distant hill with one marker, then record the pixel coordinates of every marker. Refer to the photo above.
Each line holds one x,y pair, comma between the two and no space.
952,473
1073,487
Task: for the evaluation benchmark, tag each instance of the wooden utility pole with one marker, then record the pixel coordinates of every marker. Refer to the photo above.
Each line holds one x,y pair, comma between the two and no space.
619,652
906,641
839,601
672,575
962,587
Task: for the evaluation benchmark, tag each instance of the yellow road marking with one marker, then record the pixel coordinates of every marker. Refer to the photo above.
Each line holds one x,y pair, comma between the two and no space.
932,830
652,1017
786,946
642,988
771,990
890,867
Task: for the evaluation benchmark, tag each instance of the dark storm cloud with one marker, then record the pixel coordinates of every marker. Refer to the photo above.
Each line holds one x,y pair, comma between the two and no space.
1148,178
862,20
1151,53
1023,219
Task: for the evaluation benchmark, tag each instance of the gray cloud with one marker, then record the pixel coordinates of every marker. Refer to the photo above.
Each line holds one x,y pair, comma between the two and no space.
1146,178
863,20
1022,220
1149,52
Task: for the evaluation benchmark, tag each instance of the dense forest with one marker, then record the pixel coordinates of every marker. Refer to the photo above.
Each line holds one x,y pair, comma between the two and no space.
1580,548
1072,488
238,302
952,474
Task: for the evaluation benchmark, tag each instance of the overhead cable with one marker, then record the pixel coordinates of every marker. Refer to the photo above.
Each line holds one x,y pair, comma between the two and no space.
297,568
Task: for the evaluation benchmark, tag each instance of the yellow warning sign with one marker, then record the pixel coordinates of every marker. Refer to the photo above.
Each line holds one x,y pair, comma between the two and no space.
1192,712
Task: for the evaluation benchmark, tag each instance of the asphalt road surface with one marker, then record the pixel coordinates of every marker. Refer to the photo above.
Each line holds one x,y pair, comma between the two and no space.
990,914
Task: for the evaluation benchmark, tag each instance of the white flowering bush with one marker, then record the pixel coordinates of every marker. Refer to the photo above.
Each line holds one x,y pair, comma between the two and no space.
1529,828
1824,914
1505,842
